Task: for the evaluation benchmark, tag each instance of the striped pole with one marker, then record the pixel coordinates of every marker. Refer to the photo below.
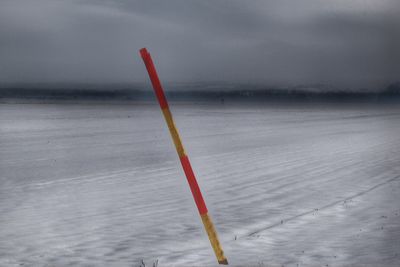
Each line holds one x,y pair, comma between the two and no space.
187,168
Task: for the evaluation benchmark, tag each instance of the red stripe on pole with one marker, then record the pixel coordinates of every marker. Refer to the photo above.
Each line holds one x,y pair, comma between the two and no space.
154,77
194,187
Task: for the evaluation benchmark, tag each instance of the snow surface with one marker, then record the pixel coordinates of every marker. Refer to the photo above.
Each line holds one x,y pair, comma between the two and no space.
292,185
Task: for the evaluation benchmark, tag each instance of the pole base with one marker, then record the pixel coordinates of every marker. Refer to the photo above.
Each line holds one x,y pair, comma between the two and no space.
224,262
212,235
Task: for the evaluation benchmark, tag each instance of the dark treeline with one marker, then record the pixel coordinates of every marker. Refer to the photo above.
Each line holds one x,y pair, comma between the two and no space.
201,92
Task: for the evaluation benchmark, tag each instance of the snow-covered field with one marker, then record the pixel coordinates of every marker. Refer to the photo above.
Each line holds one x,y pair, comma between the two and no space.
101,184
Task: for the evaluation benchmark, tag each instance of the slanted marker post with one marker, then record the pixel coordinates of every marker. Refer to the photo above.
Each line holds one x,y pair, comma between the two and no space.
187,168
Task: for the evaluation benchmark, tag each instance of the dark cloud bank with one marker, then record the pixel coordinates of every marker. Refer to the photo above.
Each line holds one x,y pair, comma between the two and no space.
84,46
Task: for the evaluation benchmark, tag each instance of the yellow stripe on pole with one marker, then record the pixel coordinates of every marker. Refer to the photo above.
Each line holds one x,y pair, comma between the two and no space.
174,132
212,235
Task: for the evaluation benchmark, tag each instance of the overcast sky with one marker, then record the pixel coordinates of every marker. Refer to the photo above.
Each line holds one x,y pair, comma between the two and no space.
284,42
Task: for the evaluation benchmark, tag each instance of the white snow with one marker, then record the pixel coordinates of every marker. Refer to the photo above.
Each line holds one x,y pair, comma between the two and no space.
101,184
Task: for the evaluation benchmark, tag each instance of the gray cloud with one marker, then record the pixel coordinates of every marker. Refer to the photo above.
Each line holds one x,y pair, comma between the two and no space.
351,43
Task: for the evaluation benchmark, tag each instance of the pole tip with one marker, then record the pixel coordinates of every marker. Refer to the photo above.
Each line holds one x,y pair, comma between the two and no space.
224,262
143,52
